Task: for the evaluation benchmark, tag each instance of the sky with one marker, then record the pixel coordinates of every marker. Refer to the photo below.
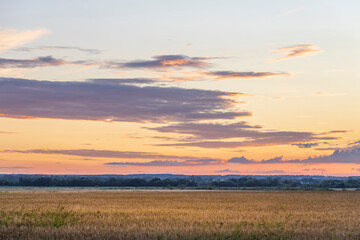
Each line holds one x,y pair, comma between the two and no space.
184,87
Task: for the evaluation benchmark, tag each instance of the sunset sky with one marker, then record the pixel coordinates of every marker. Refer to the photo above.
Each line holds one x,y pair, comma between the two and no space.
183,87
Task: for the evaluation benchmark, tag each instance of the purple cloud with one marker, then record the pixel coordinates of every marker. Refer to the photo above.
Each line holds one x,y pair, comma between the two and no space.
254,135
112,101
274,172
338,156
162,61
306,145
227,171
104,154
244,75
244,160
169,163
36,62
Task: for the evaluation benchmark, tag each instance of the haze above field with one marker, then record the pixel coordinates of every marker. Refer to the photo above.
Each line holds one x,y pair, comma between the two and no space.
163,87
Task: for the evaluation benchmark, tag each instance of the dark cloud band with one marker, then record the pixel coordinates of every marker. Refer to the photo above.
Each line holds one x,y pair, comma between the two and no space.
112,101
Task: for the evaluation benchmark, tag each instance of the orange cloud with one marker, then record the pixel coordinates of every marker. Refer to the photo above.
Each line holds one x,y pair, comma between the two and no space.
295,51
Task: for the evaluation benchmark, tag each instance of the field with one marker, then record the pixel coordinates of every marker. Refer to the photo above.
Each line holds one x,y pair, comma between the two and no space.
111,214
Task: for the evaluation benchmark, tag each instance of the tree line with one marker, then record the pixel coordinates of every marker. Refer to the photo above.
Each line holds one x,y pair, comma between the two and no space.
242,182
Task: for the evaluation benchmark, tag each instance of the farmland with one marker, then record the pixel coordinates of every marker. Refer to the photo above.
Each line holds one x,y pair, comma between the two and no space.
146,214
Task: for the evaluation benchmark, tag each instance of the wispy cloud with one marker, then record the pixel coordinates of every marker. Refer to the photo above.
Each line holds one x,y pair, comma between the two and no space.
273,172
295,51
201,75
306,145
12,169
124,81
351,156
93,153
162,61
254,135
211,130
168,163
37,62
325,94
354,143
6,132
327,149
11,38
315,169
227,171
336,131
245,75
112,101
49,48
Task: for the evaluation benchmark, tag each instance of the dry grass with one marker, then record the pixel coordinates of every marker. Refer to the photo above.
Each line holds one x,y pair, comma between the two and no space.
179,215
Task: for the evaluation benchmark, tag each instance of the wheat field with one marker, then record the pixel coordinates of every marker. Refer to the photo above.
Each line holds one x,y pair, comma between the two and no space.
110,214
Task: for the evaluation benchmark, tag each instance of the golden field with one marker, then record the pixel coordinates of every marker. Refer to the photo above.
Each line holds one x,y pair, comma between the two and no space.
126,214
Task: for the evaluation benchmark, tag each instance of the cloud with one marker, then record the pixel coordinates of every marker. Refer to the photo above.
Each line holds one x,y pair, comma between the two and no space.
276,172
117,81
237,144
324,94
216,75
354,143
92,153
253,135
295,51
5,132
306,145
12,169
104,101
36,62
315,169
338,156
244,160
162,61
241,160
327,149
227,171
337,131
168,163
27,49
83,159
12,38
245,75
211,130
